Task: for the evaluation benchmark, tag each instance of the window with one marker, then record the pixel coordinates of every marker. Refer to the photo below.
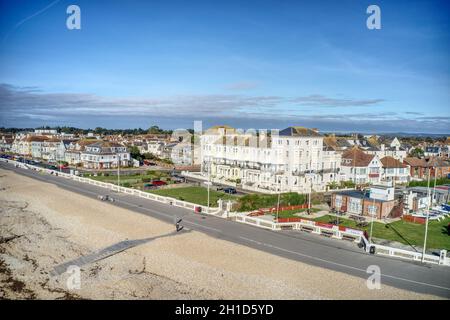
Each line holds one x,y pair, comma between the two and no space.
372,210
355,205
338,201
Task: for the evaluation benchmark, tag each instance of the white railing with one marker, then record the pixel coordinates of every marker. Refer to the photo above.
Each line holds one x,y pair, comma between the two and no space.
113,187
411,255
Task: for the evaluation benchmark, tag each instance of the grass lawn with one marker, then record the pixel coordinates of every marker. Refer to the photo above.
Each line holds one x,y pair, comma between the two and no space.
133,180
291,213
198,195
404,232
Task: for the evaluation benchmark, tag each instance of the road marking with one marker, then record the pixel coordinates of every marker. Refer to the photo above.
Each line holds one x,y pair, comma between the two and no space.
339,264
144,208
169,216
261,243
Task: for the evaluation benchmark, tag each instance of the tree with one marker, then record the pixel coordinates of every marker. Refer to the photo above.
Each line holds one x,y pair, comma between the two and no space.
154,130
135,154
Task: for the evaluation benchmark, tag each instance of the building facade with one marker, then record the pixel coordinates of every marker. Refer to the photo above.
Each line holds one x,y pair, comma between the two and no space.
105,155
294,159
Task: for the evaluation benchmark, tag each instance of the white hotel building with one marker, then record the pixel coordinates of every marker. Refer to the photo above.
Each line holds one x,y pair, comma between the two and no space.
291,160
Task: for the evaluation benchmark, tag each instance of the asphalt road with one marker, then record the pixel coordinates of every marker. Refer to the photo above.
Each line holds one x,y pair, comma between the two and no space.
313,249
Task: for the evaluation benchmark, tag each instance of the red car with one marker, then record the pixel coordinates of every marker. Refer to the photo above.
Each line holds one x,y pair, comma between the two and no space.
159,183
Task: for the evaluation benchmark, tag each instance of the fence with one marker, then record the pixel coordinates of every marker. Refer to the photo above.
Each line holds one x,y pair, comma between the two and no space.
324,229
442,259
113,187
414,219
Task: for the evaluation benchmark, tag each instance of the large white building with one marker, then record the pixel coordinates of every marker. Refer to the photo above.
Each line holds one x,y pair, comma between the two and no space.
294,159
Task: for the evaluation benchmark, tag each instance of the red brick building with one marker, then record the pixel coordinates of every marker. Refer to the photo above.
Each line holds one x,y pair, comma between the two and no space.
419,167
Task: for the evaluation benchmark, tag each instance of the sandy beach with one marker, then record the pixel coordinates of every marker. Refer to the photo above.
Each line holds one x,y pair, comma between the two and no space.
42,226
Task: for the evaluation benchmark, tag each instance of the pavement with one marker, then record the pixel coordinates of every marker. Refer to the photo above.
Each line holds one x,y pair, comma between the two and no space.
337,255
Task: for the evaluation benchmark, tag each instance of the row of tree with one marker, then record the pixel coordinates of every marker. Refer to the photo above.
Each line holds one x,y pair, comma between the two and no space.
97,130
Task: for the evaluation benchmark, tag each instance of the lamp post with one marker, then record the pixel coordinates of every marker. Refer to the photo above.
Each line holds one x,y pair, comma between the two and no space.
209,181
278,202
118,170
426,222
371,224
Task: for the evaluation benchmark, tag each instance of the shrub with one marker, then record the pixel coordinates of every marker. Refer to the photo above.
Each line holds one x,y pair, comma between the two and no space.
424,183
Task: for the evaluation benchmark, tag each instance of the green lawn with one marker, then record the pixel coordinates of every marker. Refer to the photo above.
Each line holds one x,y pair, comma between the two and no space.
134,180
198,195
404,232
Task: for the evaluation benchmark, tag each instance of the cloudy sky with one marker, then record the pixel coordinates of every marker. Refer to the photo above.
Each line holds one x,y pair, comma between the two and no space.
249,64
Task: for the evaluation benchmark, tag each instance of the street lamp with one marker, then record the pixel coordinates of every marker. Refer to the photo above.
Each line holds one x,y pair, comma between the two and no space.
279,195
372,214
209,181
426,222
118,169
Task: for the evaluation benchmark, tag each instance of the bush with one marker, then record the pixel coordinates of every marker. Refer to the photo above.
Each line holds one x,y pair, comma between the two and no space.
347,184
126,184
424,183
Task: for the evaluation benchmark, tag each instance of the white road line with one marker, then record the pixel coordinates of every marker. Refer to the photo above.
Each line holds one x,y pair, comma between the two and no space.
339,264
138,206
169,216
147,209
265,244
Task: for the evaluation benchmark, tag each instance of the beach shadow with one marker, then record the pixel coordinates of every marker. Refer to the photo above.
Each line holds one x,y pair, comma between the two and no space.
109,251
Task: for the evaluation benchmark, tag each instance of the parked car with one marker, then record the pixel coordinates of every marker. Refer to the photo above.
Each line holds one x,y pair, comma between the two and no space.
159,183
230,190
149,186
177,178
149,163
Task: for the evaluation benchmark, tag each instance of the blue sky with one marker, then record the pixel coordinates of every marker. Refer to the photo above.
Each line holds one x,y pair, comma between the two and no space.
249,64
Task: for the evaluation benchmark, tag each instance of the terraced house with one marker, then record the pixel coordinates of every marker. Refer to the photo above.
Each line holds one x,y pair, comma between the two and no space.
394,170
360,167
105,155
294,159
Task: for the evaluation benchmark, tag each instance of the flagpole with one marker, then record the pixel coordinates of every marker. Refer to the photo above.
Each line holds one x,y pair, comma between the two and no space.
426,222
278,202
118,169
371,225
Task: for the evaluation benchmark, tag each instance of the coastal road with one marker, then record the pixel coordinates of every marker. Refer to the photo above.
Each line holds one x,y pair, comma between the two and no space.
338,255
